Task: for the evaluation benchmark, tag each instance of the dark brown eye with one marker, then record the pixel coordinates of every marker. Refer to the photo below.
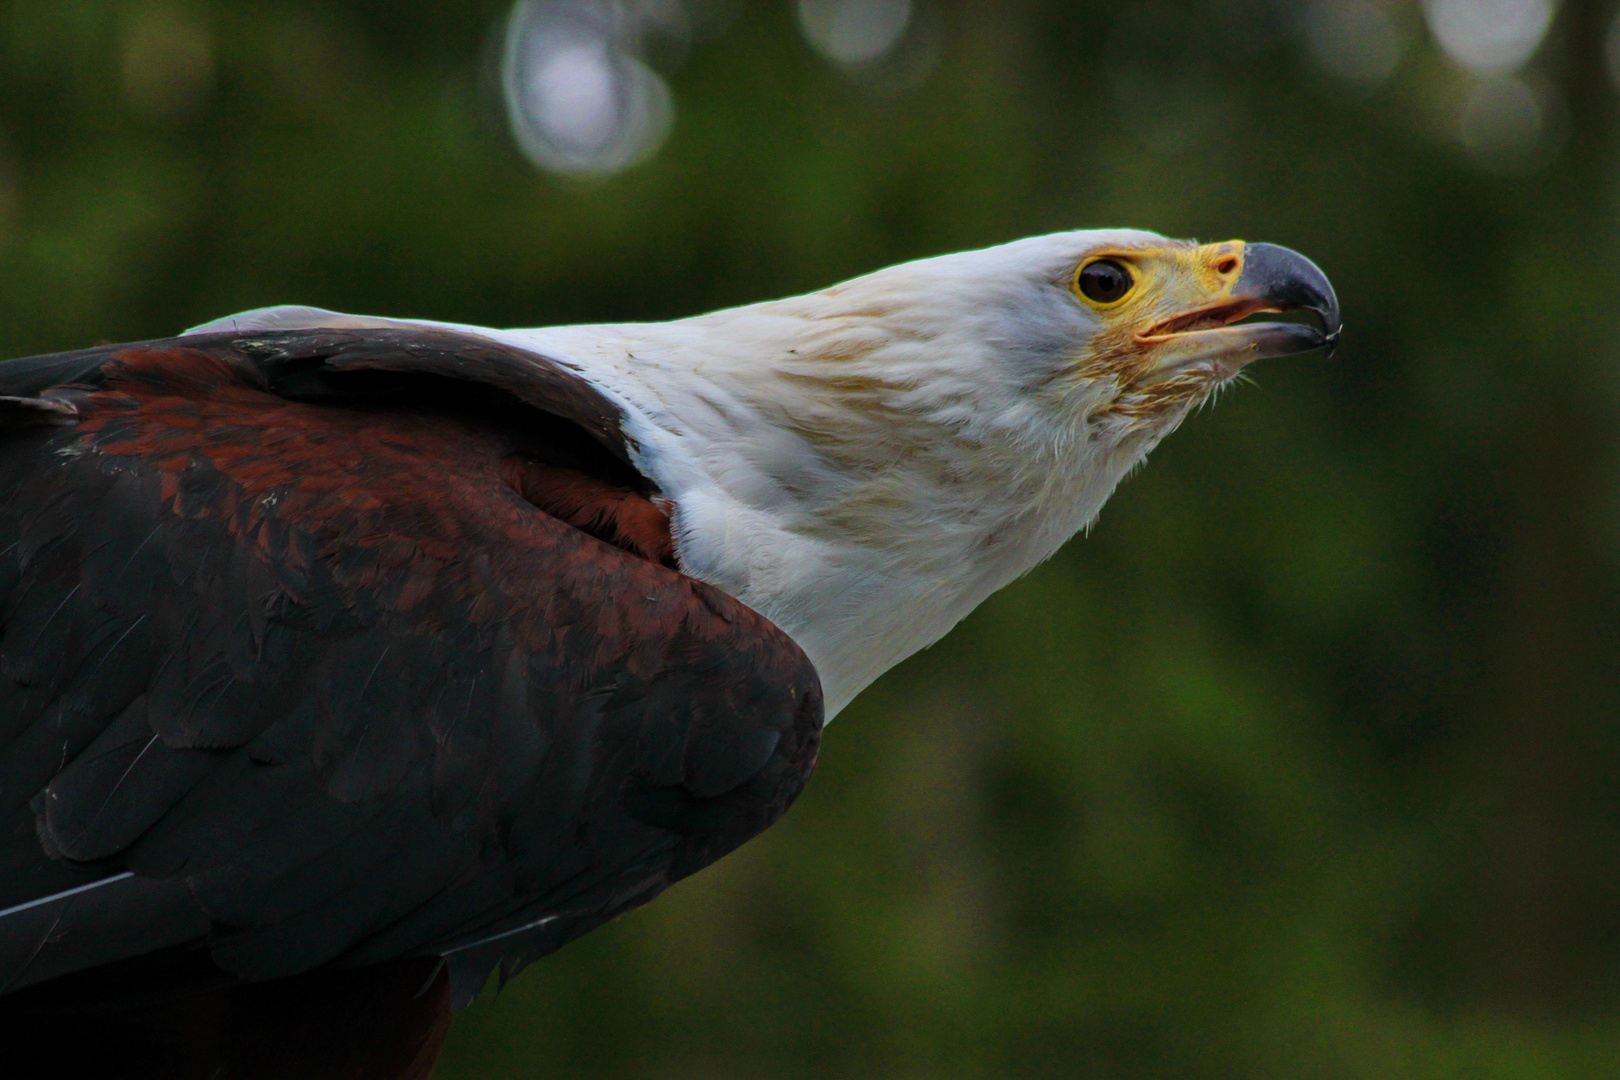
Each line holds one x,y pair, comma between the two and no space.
1104,281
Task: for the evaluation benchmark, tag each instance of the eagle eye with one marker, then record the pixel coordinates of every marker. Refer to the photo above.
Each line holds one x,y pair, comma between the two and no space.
1104,281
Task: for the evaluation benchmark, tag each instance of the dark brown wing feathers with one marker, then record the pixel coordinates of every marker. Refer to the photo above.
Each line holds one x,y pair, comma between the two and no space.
619,515
326,649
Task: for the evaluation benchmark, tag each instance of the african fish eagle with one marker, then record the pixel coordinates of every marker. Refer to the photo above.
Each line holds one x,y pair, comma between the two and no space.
346,660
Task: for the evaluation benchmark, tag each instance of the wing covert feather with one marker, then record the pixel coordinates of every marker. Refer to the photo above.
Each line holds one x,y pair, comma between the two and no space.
329,687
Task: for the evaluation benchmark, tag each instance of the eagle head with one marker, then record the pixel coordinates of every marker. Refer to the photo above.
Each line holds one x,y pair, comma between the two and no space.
1159,317
1107,338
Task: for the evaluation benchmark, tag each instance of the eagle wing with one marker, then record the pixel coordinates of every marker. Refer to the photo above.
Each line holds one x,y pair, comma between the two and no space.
294,671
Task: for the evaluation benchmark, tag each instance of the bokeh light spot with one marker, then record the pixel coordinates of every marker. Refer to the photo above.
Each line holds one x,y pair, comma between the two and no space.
1354,40
1503,126
1489,37
578,99
854,31
575,97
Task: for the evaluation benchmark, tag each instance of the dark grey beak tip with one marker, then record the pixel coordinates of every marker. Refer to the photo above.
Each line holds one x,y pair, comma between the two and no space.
1291,282
1330,342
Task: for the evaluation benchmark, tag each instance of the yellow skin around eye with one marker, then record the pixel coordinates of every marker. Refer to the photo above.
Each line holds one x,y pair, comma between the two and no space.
1177,275
1145,339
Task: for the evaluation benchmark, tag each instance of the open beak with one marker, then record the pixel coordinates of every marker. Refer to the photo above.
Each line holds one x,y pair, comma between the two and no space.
1271,278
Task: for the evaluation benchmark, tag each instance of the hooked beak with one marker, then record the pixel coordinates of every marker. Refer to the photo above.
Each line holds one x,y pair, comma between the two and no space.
1272,278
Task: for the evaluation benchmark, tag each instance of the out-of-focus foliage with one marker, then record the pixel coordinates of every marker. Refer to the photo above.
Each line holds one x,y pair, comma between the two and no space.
1306,762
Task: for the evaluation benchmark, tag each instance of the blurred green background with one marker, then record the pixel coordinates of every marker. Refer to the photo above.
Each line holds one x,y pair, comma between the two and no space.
1304,763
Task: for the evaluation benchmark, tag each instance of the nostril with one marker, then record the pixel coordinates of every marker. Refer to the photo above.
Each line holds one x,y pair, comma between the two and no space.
1226,266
